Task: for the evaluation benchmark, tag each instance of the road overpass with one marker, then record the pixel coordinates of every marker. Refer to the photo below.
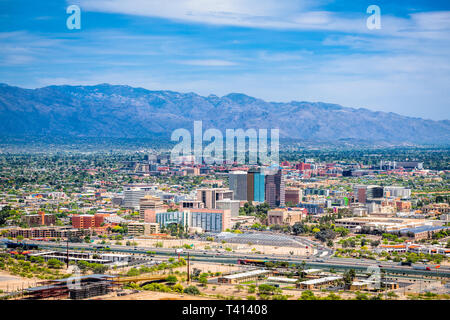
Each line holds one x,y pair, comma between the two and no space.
360,265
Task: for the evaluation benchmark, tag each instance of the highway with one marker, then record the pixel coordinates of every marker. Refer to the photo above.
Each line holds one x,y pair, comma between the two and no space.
360,265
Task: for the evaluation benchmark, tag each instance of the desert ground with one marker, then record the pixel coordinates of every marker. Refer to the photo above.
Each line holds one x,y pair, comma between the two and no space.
213,246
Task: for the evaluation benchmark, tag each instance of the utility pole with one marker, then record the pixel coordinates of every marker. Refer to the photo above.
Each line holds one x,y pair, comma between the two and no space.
67,251
188,272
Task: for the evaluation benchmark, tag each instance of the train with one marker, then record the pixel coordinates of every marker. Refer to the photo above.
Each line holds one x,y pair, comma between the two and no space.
252,262
263,263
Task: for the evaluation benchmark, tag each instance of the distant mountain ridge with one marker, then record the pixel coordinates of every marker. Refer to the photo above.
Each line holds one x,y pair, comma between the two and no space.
125,112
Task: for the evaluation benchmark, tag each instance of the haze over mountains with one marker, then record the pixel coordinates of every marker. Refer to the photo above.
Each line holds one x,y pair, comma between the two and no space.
125,112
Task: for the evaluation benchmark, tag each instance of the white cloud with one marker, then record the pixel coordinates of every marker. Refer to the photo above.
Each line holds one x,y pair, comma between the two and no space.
300,15
276,14
15,60
207,63
220,11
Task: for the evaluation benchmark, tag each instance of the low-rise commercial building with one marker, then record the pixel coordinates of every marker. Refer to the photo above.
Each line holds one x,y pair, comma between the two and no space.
227,204
441,208
136,229
422,232
313,208
244,276
40,219
282,280
45,232
191,204
87,221
320,282
381,223
286,216
209,220
372,285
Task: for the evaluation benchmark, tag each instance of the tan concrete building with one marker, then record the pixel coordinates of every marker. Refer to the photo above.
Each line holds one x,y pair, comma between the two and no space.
209,196
142,229
150,204
440,208
191,204
285,216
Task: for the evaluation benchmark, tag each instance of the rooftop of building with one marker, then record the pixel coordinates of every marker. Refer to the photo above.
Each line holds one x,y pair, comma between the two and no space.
307,271
321,280
282,279
247,274
423,229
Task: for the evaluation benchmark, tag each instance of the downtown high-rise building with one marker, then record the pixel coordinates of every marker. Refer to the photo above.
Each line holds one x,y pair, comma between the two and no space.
237,181
368,193
255,186
275,190
149,206
293,196
132,197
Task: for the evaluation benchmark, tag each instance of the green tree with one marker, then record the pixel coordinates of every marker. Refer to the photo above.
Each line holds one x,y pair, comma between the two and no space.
99,268
349,275
193,290
172,279
361,296
239,287
5,213
308,295
54,264
266,289
177,288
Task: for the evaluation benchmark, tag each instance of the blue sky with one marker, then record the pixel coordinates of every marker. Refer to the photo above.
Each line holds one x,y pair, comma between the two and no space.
272,49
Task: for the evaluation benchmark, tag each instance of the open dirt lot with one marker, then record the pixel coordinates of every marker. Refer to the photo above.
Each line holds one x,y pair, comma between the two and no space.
212,246
10,283
151,295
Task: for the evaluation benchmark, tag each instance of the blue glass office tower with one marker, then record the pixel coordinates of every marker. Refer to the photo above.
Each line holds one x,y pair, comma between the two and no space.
255,185
259,187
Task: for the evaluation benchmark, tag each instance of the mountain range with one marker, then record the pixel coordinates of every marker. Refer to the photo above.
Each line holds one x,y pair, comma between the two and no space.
119,111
